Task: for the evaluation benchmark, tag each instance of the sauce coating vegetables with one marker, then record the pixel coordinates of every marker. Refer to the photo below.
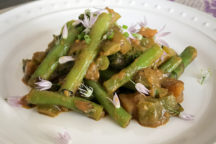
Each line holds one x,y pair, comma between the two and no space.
96,66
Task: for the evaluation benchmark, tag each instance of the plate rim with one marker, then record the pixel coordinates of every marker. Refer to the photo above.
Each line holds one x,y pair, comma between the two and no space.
29,4
209,24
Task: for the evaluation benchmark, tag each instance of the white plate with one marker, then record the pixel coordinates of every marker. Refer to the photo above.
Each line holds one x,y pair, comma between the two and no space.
29,28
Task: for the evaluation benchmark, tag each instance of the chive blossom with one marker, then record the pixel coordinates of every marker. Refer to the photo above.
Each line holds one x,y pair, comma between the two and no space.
85,91
204,75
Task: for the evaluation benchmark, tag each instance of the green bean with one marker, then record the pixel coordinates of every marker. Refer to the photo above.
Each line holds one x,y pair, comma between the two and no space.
187,56
143,61
87,55
118,114
106,74
80,105
50,110
170,64
50,62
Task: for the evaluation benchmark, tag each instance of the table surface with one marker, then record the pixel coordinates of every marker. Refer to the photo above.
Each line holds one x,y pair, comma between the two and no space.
208,6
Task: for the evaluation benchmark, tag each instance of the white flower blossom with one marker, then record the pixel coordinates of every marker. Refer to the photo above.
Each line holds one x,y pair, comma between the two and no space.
116,101
88,22
141,88
160,34
43,84
65,32
14,101
85,90
143,23
133,29
63,138
65,59
186,116
204,75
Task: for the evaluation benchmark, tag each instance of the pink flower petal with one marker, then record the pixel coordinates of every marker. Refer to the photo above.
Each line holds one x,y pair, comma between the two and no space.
162,42
86,21
65,32
141,88
116,101
14,101
163,34
63,138
162,29
65,59
143,23
185,116
43,84
76,22
132,29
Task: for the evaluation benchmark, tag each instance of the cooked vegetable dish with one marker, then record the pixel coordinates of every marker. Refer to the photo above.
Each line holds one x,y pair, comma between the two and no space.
96,67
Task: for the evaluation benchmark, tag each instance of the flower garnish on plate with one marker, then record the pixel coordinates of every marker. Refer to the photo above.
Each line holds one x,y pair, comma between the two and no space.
14,101
115,101
65,32
64,138
185,116
143,23
131,32
205,73
132,29
65,59
43,84
136,27
141,88
161,34
88,21
85,91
